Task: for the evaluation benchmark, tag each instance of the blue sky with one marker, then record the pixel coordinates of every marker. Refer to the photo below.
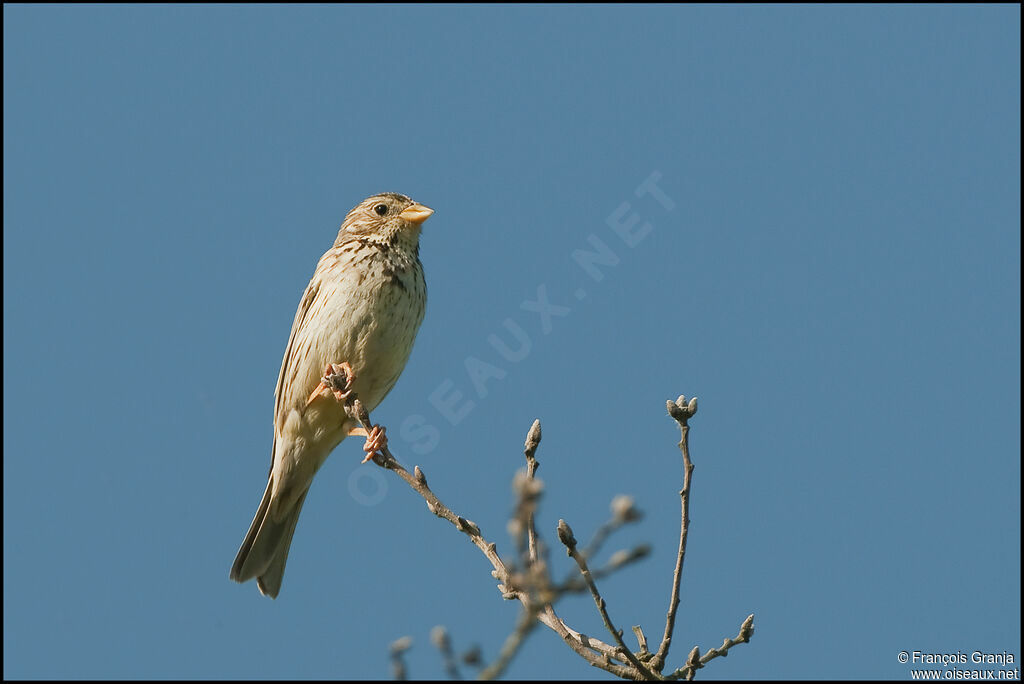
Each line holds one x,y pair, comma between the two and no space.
834,269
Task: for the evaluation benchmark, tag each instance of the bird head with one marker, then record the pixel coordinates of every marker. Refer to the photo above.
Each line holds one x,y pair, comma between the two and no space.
388,218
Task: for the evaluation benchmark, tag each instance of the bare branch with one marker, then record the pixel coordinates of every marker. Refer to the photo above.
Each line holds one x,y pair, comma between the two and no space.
641,640
528,490
396,649
385,460
533,588
525,625
586,647
693,662
439,637
620,559
535,611
566,537
687,671
681,411
530,450
624,511
580,643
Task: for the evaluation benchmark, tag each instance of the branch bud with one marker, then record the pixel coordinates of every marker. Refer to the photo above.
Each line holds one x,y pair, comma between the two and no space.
473,656
525,486
565,535
747,628
681,409
533,437
439,637
400,645
623,509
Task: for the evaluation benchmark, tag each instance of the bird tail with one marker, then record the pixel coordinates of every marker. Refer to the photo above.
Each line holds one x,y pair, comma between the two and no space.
264,551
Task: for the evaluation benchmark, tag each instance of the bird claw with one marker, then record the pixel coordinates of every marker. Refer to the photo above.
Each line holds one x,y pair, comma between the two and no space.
337,379
376,440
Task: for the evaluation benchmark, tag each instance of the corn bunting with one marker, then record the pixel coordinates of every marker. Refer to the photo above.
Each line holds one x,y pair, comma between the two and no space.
353,332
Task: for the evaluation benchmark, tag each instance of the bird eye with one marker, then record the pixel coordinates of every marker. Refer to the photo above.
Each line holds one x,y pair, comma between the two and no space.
381,209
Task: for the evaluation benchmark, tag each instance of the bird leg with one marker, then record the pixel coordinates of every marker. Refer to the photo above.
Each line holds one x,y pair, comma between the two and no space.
376,439
338,378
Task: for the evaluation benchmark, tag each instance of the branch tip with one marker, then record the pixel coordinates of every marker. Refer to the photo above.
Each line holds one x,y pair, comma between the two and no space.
565,536
532,587
400,645
641,638
624,509
681,409
533,438
747,628
473,656
439,637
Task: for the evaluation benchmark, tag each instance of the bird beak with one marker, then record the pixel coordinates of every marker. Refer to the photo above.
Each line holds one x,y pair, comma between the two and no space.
417,214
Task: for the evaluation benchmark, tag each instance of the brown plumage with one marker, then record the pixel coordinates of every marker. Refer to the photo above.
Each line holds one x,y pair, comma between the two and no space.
363,307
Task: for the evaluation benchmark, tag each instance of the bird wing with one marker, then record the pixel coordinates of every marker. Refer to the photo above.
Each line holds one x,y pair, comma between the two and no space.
301,316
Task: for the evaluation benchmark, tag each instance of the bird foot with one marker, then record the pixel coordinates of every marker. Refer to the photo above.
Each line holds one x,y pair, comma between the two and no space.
376,440
337,379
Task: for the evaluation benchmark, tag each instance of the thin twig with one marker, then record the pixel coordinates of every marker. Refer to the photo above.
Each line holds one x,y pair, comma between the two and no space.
594,651
624,511
535,610
419,484
746,630
620,559
566,537
439,637
525,625
473,657
527,621
539,609
681,411
530,449
396,649
641,640
601,535
580,643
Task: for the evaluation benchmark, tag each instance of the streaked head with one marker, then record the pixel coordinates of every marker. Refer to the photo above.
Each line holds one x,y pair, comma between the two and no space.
385,218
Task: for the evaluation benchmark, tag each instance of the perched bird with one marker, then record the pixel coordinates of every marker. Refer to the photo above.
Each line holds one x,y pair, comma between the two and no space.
354,328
